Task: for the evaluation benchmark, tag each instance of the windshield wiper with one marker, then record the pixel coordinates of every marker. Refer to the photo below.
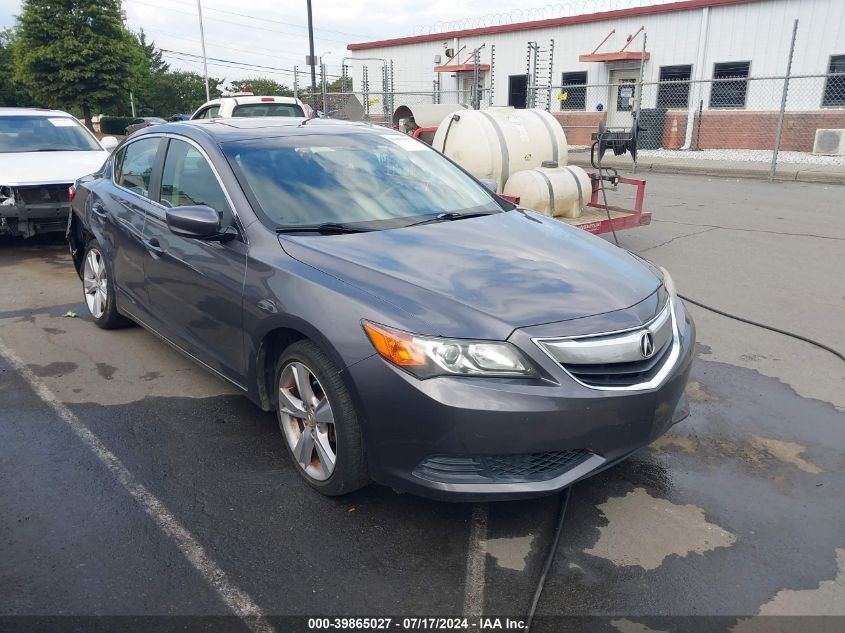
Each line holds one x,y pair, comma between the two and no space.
450,216
325,228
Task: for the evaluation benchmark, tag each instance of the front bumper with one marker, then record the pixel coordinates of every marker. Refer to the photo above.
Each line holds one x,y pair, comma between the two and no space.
26,211
427,436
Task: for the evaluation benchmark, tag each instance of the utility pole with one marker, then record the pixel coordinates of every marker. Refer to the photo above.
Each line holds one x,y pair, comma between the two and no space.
204,60
311,60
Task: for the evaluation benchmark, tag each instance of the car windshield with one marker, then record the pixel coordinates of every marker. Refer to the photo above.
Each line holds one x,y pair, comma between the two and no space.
268,109
381,180
43,133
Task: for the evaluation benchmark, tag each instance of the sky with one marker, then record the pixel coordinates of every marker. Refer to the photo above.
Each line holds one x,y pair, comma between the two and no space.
273,33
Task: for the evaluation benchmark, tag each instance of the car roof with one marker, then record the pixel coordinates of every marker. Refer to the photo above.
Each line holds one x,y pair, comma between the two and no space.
241,99
32,112
224,130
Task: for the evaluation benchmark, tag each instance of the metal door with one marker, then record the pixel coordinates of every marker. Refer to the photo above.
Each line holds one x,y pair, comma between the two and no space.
622,98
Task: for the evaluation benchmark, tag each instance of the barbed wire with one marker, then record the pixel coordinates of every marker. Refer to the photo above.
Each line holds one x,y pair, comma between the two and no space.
531,14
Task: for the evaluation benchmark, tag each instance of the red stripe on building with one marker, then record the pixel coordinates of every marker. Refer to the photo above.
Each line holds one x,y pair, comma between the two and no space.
670,7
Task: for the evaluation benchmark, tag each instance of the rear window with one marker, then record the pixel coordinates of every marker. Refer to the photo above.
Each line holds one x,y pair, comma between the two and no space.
268,109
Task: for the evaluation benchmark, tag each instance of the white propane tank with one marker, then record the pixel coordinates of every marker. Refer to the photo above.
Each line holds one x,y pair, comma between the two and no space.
552,190
495,143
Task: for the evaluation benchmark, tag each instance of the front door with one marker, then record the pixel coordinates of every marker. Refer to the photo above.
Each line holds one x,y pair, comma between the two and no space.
195,287
622,98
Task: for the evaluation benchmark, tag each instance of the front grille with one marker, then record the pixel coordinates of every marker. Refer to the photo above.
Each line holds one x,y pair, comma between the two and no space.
43,194
517,468
621,374
629,359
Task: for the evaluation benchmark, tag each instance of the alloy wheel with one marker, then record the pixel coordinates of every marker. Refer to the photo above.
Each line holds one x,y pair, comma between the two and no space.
95,283
307,421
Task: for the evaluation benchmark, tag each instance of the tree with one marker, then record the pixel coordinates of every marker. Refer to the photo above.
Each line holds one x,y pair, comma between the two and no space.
157,90
153,60
11,93
175,92
74,53
260,86
338,85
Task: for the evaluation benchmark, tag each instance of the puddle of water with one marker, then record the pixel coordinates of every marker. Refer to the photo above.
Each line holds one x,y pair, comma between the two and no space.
827,599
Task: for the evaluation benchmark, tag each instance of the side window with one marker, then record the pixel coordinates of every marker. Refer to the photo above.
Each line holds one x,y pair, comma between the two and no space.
189,180
209,113
133,165
573,93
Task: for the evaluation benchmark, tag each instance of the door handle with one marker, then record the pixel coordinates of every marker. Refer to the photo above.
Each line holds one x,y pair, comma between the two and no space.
154,246
98,209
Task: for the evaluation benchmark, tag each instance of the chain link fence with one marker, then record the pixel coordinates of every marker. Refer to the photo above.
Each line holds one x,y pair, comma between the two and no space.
732,117
377,105
776,120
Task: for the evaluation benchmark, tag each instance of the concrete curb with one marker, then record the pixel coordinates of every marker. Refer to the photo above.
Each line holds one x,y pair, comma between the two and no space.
784,174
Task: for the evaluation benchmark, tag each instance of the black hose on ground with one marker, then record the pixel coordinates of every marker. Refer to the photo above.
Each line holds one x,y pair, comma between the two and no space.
550,557
771,328
728,315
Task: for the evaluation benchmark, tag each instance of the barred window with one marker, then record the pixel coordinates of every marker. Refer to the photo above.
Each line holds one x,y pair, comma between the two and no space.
573,94
834,87
673,91
725,93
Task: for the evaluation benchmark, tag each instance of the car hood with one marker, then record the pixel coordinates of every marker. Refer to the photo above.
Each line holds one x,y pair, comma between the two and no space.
483,277
42,168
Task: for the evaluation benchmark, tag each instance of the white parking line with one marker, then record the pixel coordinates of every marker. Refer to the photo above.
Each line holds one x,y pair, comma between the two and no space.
239,602
476,562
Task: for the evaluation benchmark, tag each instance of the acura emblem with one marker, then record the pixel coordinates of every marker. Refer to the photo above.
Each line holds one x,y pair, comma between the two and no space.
647,345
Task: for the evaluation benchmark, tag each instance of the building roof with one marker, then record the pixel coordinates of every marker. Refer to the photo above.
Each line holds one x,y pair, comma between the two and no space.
670,7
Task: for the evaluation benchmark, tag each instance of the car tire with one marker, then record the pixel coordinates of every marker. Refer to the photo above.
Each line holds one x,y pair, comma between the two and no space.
98,289
320,422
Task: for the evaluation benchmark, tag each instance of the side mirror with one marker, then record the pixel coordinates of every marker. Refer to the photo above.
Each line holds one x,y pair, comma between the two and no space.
489,184
199,222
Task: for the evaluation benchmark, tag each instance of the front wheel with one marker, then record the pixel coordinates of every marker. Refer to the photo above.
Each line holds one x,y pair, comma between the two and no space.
98,289
318,421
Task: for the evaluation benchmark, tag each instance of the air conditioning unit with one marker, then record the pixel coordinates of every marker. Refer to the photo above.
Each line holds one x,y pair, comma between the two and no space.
829,143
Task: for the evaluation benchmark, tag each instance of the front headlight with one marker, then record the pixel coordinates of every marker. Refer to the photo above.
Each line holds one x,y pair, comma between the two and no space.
427,356
669,284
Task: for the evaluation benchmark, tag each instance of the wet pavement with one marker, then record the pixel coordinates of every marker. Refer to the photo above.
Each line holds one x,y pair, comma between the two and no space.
736,512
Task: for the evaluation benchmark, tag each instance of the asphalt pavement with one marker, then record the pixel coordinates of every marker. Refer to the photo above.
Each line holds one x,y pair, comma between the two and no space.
136,484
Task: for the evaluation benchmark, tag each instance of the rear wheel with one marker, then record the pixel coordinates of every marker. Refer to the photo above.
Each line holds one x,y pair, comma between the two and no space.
98,289
318,421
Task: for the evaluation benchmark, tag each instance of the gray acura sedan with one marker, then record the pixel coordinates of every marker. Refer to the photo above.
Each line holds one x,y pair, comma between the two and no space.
405,324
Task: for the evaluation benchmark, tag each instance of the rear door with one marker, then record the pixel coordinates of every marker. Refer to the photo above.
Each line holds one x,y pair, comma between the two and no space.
118,207
195,286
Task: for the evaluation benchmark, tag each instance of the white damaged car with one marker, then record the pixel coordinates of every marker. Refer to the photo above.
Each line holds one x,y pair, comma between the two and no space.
42,153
